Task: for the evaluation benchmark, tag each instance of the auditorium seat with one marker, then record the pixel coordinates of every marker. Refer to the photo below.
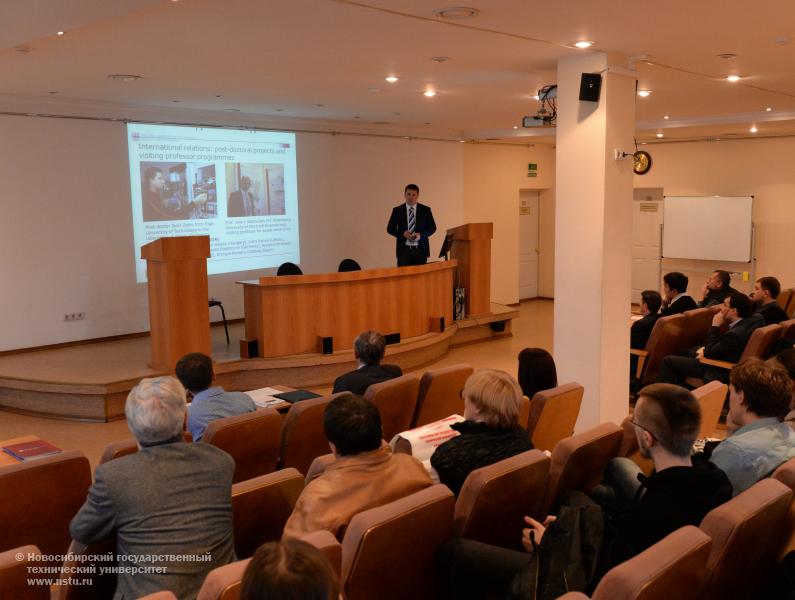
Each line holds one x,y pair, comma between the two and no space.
347,265
129,446
328,544
784,299
303,438
102,585
664,340
288,268
261,507
629,447
786,475
746,532
696,325
579,461
395,399
553,414
674,567
389,552
711,397
164,595
252,439
494,500
38,500
788,328
14,574
440,394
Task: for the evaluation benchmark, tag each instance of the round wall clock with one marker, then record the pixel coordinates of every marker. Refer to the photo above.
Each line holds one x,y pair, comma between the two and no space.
642,162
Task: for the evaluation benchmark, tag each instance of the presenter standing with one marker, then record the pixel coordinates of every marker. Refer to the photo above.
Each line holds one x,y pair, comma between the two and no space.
412,224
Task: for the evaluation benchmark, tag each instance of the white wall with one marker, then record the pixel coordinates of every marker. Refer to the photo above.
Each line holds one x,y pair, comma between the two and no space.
67,246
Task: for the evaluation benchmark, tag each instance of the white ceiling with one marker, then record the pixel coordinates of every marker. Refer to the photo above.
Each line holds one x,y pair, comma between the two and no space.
324,61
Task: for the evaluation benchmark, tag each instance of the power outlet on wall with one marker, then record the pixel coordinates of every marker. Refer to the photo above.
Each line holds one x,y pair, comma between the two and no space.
76,316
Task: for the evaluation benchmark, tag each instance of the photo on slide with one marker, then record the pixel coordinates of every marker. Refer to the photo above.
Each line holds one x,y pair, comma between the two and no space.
174,191
257,189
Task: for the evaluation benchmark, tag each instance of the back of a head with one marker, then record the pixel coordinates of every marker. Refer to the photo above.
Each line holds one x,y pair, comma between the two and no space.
536,371
766,387
671,414
155,410
742,303
771,285
724,277
676,281
352,424
496,395
195,372
289,570
370,347
652,299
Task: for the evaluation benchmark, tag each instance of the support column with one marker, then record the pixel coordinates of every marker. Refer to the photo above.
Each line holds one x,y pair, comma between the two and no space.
593,236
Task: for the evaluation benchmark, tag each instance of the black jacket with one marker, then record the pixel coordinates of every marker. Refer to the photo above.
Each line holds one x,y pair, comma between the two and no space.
425,226
772,313
729,346
359,380
641,331
679,306
714,297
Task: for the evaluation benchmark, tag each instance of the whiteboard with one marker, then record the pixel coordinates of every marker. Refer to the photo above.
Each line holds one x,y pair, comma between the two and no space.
708,227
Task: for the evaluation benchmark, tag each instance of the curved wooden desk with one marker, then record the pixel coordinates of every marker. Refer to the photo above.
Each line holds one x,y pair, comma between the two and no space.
287,314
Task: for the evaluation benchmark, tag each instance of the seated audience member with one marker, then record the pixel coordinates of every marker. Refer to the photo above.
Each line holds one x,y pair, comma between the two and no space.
364,475
728,346
169,498
759,398
766,290
490,433
675,300
195,372
289,570
369,350
786,359
639,511
536,371
717,289
650,301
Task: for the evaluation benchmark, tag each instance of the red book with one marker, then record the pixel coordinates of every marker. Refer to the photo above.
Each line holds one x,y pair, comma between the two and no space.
30,450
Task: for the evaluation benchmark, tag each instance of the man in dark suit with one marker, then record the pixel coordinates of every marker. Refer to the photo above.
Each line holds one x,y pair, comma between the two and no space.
717,289
766,290
675,300
411,224
728,346
369,349
169,499
243,202
650,301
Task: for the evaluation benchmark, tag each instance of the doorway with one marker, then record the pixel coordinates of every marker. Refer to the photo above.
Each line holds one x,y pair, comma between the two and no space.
647,213
528,244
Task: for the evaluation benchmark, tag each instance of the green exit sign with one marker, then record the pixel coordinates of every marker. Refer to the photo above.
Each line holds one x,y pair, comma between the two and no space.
532,167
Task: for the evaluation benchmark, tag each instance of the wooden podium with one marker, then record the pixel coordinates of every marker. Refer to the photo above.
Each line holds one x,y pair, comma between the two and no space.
471,247
179,314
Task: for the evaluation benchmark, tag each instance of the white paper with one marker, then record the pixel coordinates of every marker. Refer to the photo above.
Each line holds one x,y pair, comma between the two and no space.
263,397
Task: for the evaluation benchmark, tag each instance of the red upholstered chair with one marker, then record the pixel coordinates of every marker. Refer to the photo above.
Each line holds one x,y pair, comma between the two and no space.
303,438
102,584
328,544
440,394
129,446
261,507
784,299
494,499
674,567
159,596
579,461
696,325
786,475
788,327
15,574
746,533
38,500
711,397
664,340
553,415
396,400
252,439
629,447
388,552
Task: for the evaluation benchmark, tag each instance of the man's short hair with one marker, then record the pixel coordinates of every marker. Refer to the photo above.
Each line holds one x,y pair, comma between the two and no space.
771,285
352,424
724,277
370,347
743,304
155,410
195,371
412,186
676,281
289,570
652,299
150,173
672,415
496,395
767,389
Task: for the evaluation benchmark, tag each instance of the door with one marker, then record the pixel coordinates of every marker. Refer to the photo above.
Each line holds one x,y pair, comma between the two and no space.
647,211
528,244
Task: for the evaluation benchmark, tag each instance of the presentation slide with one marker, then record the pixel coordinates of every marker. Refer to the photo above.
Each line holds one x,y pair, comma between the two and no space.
240,187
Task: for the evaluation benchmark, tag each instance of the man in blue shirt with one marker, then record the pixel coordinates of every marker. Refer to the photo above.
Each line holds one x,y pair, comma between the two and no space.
759,397
195,372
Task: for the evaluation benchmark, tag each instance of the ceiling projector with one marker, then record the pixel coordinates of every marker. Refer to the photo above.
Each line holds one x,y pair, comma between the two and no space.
547,113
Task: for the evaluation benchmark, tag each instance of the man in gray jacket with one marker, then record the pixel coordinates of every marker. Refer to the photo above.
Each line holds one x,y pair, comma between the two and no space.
169,504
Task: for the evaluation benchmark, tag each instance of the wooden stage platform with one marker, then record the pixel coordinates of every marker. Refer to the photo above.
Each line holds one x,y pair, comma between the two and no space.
90,382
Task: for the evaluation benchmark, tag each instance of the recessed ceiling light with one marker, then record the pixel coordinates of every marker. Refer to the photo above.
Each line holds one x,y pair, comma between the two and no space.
769,108
733,78
60,33
666,117
726,55
660,135
429,93
516,127
456,12
461,141
536,97
440,59
391,79
753,129
583,44
122,77
644,93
